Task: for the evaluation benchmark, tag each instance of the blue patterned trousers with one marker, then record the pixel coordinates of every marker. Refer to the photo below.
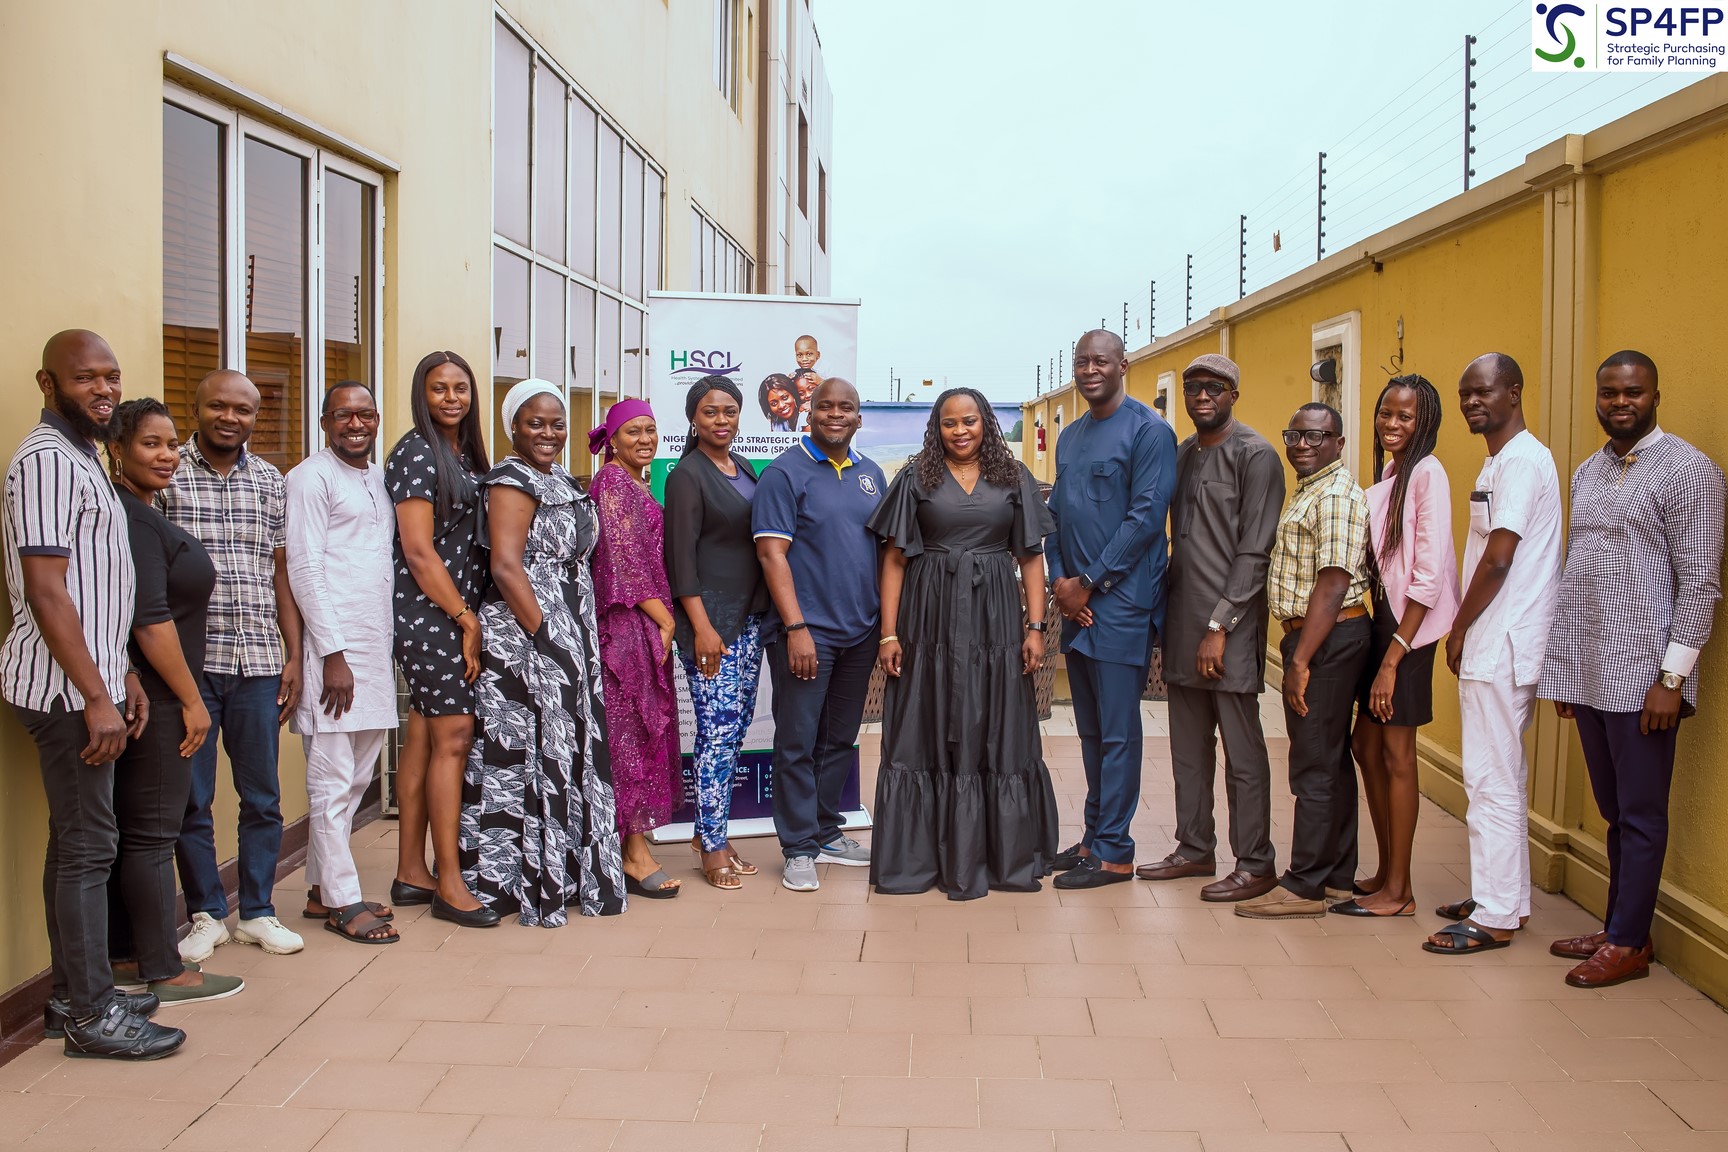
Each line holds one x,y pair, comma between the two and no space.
724,706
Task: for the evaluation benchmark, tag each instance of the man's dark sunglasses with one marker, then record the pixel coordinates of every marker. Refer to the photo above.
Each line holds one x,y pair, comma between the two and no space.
1313,437
1212,388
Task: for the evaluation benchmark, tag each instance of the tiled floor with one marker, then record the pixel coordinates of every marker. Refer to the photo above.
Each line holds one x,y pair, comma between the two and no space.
1130,1018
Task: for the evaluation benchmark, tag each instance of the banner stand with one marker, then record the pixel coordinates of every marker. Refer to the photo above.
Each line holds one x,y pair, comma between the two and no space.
752,801
856,820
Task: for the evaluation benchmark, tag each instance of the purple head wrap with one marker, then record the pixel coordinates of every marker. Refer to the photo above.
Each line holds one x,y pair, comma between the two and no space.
617,416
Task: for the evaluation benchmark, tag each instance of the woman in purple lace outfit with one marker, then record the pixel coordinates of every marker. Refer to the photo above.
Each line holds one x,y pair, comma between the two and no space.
633,600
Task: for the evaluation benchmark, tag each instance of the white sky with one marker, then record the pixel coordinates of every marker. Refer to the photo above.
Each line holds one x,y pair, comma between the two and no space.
1008,172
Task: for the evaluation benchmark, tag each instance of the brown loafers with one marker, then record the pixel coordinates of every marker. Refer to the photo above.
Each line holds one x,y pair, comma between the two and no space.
1579,947
1174,867
1611,964
1238,886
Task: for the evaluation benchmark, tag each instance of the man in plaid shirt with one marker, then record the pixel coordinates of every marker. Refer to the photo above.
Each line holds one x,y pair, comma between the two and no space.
1642,578
233,501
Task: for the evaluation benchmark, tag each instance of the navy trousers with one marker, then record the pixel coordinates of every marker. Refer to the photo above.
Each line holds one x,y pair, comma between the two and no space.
1107,716
815,728
1630,774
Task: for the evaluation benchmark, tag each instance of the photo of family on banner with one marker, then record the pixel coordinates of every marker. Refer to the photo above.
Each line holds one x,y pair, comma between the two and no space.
777,349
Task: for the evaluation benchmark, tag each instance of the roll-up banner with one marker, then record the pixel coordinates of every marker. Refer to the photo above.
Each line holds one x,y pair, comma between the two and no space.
776,349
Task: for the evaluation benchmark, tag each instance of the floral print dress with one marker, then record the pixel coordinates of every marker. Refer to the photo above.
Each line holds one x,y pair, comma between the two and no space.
538,832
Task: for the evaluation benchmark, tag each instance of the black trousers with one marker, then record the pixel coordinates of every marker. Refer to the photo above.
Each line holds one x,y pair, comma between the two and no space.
815,727
81,846
1322,774
1630,774
1198,716
151,783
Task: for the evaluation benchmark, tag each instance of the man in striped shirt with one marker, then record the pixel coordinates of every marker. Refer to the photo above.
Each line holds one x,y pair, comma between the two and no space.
64,669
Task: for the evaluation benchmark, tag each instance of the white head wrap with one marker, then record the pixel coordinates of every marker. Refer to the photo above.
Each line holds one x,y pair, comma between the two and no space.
524,391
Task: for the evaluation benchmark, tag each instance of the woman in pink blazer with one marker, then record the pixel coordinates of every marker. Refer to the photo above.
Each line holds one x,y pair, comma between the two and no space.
1414,572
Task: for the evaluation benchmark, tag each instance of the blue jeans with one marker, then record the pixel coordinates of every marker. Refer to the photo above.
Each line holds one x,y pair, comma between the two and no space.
243,709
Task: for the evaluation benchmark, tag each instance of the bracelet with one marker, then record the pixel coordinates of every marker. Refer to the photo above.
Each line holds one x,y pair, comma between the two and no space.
460,614
1402,643
887,640
798,627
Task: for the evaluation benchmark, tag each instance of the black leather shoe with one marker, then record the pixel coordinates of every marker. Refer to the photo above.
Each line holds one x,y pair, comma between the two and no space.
121,1034
57,1013
1067,858
411,894
481,917
1089,873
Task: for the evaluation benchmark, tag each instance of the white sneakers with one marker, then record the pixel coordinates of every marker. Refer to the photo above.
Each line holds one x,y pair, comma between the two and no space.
269,934
207,934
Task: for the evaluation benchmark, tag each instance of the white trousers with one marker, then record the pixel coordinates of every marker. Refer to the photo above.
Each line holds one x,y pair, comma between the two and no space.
339,766
1494,715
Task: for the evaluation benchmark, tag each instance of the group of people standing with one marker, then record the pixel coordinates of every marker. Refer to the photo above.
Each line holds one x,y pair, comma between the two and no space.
1606,622
183,591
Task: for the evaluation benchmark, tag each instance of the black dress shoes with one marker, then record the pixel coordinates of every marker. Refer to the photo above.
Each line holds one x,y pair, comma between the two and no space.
57,1013
481,917
1067,858
121,1034
411,894
1089,873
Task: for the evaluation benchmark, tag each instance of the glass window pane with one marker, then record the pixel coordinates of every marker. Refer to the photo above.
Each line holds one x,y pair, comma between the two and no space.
695,250
651,217
347,279
509,135
192,241
631,385
509,319
549,325
607,336
550,168
610,222
581,337
632,225
583,124
275,226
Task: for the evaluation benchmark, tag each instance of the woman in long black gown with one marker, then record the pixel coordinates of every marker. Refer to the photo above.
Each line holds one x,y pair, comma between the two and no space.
963,799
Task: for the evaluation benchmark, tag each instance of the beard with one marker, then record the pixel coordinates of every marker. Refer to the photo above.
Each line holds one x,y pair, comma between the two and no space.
1636,433
74,414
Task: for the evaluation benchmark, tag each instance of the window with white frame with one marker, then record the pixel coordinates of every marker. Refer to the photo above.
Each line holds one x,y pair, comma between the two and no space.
270,266
576,232
718,263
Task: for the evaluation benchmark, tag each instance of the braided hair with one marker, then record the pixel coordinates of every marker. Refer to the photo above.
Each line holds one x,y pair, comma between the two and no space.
997,463
123,425
1421,446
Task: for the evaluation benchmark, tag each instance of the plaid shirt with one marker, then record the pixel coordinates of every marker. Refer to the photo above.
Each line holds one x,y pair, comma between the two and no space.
241,518
1325,526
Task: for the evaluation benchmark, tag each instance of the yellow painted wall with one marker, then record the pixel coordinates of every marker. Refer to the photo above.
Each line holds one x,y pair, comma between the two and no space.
1501,268
81,83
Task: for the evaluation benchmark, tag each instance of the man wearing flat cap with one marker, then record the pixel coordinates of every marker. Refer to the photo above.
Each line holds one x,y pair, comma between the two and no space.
1229,489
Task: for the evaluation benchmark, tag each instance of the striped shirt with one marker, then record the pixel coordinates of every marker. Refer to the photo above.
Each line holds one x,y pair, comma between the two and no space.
60,502
241,519
1325,526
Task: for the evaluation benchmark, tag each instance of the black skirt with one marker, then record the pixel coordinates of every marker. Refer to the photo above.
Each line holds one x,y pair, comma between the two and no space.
1413,690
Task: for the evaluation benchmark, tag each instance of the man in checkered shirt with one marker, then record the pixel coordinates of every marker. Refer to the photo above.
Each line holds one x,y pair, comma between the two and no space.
1642,578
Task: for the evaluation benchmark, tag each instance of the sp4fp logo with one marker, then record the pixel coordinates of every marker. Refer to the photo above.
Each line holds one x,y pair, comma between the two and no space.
1556,37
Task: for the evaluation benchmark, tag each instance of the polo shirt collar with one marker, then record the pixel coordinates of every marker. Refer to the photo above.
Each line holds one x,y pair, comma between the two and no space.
1644,442
822,457
1322,475
58,422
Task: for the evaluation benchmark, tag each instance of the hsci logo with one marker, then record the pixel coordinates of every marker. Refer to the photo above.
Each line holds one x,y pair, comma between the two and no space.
1568,37
696,362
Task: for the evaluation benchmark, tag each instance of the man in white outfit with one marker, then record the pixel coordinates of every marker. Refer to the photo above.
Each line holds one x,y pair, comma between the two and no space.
340,524
1512,564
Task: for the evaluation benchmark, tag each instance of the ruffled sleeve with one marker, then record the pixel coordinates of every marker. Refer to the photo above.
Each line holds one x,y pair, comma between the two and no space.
896,518
1032,519
513,473
411,473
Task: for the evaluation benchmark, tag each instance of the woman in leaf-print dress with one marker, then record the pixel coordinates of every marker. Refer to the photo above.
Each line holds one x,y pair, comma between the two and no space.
539,830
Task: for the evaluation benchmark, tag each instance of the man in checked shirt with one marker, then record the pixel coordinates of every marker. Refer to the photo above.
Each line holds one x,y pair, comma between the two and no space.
1642,579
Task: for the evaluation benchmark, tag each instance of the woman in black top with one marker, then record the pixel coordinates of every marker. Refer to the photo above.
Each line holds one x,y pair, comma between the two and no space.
434,478
153,777
720,598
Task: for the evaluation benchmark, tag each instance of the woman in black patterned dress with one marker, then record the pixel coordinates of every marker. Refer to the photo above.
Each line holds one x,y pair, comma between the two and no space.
539,828
434,479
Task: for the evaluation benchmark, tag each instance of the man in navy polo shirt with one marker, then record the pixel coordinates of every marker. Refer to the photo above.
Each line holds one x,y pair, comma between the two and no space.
820,562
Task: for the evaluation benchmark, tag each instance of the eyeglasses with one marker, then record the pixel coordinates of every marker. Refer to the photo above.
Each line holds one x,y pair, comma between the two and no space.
348,415
1313,437
1212,388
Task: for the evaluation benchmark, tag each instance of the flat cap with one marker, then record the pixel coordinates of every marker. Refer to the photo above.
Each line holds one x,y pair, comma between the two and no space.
1220,366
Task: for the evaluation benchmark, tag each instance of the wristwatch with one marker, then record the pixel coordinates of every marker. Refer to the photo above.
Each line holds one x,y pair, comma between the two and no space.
798,627
1036,626
1671,681
1214,626
1085,581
